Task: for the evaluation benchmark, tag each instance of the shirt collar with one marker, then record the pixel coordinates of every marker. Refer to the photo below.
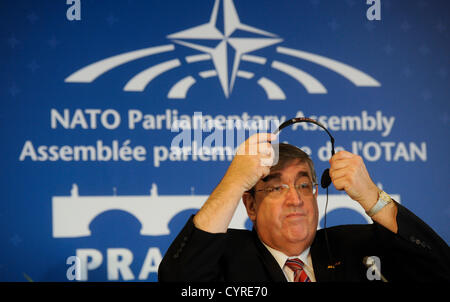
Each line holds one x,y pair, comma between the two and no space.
281,258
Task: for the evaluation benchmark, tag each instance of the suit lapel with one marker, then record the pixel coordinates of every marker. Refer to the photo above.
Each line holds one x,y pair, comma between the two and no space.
320,260
273,269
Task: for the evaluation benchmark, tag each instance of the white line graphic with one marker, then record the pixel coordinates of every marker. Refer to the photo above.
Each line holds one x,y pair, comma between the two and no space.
142,79
91,72
212,73
208,74
245,74
198,58
311,84
357,77
254,59
272,90
180,89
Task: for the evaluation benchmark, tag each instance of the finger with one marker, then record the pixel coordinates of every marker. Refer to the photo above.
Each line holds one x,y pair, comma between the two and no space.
340,183
340,164
342,155
337,174
266,161
265,149
261,138
265,171
256,149
257,143
267,157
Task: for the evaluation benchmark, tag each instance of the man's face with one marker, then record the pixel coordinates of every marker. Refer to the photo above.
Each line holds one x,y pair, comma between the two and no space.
285,221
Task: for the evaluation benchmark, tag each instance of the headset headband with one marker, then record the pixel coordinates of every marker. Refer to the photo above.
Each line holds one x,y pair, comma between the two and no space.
306,120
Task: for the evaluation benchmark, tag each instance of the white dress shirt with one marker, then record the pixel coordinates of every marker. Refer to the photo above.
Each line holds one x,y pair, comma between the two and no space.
281,258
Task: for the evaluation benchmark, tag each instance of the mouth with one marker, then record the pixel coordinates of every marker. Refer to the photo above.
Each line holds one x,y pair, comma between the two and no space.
296,215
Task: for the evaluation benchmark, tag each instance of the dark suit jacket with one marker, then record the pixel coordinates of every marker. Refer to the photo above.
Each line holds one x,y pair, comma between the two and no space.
416,253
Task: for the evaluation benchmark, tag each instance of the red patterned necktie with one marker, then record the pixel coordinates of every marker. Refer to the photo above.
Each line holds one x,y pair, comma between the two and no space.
296,265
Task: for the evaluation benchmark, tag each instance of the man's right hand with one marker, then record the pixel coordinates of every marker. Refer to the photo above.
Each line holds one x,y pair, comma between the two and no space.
252,161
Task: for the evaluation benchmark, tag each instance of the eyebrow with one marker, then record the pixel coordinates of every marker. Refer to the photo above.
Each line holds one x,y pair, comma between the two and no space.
278,176
271,176
302,173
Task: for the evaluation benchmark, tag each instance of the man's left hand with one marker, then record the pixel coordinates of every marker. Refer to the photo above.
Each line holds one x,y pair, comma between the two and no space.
348,172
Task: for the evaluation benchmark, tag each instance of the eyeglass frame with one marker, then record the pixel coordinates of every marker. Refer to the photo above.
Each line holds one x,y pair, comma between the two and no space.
288,187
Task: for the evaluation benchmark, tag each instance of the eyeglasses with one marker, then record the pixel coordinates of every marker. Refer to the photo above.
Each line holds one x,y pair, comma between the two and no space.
305,189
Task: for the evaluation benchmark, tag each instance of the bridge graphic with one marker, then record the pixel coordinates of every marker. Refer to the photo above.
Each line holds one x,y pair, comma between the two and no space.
72,215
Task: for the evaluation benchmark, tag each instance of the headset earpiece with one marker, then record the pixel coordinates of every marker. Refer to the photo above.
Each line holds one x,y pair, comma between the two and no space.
325,181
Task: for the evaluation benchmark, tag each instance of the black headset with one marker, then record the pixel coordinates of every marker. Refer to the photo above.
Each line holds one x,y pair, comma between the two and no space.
325,180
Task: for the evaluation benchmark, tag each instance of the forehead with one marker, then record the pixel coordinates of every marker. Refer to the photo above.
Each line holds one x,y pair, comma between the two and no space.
293,169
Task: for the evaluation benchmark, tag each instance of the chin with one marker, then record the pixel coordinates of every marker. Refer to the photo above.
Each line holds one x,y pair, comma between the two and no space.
298,234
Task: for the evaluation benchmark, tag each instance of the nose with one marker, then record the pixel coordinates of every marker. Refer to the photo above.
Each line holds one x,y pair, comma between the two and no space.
293,197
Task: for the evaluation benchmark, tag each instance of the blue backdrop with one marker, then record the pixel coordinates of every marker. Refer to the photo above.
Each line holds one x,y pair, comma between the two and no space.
90,91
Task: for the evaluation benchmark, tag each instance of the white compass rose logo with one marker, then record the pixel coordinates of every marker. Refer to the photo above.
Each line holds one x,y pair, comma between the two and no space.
219,54
235,42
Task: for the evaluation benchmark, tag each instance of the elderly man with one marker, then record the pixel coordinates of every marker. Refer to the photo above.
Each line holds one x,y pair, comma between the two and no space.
284,245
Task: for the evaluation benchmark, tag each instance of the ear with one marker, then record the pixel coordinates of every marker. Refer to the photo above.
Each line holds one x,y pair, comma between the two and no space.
250,205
